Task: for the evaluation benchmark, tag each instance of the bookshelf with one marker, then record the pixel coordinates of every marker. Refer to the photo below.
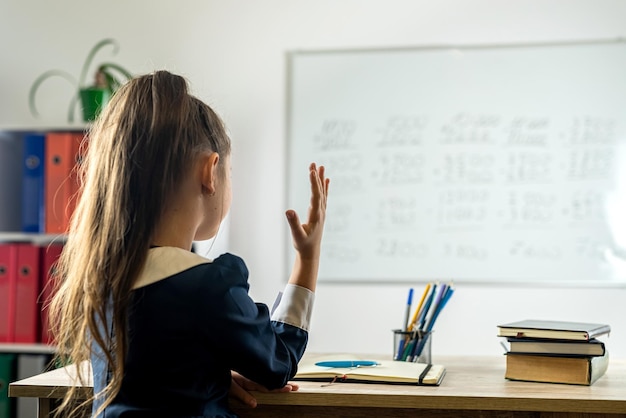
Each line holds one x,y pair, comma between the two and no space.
24,219
24,348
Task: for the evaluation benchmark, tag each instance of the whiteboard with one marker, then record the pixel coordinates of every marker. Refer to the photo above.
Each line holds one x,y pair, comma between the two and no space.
475,164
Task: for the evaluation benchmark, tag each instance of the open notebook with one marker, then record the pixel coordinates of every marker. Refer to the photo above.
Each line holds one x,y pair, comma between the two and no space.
387,371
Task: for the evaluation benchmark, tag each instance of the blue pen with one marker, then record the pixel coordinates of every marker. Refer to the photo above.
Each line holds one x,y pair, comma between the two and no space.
418,347
434,306
427,304
400,349
409,349
347,363
444,300
408,310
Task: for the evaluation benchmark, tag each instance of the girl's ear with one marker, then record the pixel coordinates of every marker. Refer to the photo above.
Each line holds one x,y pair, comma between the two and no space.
209,172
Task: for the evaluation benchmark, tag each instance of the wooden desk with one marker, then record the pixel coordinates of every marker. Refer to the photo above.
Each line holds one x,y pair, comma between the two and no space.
473,387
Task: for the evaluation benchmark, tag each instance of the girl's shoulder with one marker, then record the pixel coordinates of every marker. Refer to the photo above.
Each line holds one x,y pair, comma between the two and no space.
165,262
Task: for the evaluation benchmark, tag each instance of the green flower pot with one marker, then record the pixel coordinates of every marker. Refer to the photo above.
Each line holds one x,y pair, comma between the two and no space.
93,101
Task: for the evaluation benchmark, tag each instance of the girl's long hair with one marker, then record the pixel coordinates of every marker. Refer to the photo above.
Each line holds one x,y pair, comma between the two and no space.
138,151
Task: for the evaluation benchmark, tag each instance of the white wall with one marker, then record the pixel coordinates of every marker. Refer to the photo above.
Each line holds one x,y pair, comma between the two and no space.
233,51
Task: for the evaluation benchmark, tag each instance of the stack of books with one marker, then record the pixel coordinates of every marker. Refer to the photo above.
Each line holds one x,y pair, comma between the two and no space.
555,351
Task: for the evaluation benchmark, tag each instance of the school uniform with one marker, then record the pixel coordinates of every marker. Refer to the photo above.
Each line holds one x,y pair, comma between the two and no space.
190,323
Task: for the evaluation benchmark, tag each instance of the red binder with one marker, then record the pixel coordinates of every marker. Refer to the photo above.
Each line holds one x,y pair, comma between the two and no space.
63,152
26,276
7,293
49,255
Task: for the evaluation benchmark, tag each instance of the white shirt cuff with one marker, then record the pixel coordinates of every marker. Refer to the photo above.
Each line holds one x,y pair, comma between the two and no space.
294,306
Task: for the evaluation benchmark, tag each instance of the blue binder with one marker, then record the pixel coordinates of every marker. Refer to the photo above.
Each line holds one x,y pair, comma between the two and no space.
33,210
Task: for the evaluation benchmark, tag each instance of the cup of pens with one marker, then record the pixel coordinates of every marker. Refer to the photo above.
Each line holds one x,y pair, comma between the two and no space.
414,341
414,346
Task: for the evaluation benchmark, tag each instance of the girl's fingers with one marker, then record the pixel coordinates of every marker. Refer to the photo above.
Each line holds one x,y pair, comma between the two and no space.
319,191
294,223
243,395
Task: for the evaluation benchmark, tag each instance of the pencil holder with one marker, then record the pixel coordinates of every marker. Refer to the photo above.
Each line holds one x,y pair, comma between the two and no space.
412,346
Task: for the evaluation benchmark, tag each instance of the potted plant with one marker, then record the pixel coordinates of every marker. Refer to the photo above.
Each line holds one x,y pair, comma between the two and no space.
108,78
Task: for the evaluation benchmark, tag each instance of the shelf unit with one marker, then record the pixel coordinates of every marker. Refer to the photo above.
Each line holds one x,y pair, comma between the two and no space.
26,358
36,239
18,348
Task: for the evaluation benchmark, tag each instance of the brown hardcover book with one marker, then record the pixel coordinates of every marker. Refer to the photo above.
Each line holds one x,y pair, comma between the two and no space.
556,369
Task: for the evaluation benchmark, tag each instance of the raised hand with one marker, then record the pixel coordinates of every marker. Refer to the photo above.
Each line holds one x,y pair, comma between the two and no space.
307,237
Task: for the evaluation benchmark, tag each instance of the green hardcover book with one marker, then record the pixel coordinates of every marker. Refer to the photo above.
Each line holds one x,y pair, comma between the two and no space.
7,372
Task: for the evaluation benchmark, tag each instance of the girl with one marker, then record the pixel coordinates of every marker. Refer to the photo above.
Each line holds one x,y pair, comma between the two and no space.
167,331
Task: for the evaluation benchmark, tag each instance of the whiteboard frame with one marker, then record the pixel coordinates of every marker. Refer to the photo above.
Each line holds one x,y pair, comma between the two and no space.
292,54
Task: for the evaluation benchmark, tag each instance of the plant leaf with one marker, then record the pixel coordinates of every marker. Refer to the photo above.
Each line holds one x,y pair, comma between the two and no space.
90,56
114,82
43,77
70,113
